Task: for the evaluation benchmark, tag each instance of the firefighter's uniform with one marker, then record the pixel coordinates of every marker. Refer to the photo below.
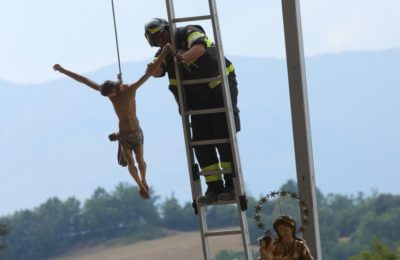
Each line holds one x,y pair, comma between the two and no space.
205,96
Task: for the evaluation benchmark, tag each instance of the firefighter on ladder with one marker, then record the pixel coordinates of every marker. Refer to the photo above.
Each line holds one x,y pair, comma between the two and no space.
198,60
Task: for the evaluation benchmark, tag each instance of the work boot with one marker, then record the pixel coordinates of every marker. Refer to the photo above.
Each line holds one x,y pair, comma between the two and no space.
228,193
213,189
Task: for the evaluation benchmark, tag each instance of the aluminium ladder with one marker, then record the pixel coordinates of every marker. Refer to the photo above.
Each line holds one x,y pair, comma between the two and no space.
240,196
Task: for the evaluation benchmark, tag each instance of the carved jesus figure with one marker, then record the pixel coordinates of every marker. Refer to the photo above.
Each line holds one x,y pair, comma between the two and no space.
130,135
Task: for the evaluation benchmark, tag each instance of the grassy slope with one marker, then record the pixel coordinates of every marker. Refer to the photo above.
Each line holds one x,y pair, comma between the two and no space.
185,245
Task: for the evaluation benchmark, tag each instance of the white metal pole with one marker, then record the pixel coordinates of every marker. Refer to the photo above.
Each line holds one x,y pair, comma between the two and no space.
301,121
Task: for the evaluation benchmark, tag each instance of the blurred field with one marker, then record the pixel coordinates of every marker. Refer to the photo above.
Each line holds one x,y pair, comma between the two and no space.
178,246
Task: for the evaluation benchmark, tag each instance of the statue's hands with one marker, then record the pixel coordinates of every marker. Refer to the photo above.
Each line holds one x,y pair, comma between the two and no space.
153,70
58,67
149,68
119,77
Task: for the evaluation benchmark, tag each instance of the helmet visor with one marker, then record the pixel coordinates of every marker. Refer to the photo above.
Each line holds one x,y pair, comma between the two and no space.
152,34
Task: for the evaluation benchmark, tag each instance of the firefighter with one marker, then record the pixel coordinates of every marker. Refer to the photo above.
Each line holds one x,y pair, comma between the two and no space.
197,57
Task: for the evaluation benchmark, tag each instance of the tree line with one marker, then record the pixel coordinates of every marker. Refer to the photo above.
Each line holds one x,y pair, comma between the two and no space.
349,225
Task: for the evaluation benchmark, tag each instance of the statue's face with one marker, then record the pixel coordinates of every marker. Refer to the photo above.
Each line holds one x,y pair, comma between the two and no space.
285,232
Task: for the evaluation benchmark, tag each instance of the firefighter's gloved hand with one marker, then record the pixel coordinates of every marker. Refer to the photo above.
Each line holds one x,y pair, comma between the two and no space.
181,60
179,56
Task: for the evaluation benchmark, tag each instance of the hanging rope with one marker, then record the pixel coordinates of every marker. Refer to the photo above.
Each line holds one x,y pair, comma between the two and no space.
116,39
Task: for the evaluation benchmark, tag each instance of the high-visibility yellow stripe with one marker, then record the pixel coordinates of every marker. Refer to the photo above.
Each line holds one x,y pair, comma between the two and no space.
212,167
172,82
212,178
193,37
226,165
212,84
215,83
197,35
155,29
209,42
230,69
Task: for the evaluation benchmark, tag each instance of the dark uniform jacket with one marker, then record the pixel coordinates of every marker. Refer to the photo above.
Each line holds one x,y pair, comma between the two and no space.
198,95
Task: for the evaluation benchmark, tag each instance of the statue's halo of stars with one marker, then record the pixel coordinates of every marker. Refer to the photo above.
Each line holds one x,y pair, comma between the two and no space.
280,194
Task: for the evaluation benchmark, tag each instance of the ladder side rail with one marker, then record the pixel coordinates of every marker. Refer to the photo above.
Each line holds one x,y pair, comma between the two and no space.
196,187
239,186
226,95
245,234
182,101
301,121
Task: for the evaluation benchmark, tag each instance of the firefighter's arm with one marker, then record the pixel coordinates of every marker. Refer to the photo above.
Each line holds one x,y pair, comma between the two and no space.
77,77
191,55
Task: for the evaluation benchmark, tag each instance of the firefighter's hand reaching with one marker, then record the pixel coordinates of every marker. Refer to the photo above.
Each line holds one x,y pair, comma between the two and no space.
179,57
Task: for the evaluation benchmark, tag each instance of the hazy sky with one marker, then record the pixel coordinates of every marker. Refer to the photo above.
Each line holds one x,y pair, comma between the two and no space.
79,34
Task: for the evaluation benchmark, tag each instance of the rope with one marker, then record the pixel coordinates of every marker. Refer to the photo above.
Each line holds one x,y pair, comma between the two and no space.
116,38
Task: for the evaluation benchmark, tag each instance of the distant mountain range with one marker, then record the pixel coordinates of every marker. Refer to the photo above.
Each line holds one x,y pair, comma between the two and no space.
53,136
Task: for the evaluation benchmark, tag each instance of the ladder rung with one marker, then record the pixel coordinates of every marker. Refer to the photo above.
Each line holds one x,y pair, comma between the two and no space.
193,18
214,141
199,81
226,202
206,111
216,172
223,233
